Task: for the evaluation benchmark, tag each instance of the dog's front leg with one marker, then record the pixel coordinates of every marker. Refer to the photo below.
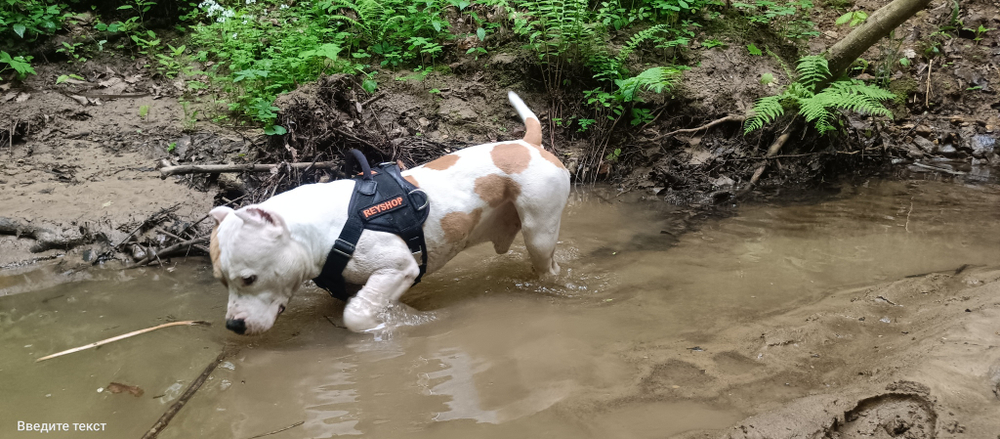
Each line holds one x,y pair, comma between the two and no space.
384,288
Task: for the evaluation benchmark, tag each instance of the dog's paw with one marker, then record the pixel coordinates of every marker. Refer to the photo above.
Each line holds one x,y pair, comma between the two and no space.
359,317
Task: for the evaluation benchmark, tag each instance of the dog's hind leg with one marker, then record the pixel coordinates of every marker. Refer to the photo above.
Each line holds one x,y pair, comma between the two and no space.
540,227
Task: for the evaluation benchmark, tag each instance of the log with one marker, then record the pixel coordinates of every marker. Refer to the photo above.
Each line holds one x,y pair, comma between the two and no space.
878,25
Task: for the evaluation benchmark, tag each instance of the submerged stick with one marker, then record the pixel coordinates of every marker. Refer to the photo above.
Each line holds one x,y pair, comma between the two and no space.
179,404
122,337
279,430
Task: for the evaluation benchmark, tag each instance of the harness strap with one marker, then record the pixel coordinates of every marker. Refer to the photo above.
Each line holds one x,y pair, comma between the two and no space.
382,201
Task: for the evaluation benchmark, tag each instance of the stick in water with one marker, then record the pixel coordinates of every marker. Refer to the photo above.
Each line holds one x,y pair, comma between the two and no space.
121,337
195,385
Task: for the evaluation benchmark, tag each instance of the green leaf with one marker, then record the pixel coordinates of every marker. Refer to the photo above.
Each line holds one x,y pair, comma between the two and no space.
369,85
754,50
275,130
19,30
124,7
481,33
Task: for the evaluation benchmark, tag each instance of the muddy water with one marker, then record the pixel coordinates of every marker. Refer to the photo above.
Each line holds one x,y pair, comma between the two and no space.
491,352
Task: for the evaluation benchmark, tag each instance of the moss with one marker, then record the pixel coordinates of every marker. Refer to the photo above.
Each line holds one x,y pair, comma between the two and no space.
903,88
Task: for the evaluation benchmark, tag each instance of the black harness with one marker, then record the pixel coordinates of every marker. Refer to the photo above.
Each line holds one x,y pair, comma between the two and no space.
382,201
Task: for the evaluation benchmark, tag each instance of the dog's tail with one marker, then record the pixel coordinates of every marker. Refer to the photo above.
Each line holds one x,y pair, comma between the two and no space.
533,128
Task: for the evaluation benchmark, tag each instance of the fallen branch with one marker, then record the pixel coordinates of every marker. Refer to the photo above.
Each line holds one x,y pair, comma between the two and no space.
279,430
122,337
153,254
179,404
706,126
167,171
775,147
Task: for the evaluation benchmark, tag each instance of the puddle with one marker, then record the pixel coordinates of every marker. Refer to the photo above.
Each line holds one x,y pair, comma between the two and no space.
500,354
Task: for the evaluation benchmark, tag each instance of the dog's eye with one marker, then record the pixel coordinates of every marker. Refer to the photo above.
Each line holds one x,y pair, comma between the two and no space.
249,280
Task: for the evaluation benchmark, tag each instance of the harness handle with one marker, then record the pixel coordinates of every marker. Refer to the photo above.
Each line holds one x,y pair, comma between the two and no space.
360,160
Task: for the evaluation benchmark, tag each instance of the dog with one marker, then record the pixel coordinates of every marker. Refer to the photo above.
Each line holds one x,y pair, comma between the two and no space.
263,253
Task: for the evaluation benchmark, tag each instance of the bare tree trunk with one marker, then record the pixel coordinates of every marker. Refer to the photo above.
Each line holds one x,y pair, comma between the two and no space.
879,24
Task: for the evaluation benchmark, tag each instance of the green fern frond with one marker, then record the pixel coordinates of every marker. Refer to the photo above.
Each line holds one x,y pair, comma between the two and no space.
639,38
656,79
765,111
812,70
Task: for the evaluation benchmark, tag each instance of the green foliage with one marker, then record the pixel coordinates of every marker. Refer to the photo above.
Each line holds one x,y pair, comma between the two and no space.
26,20
20,64
819,107
788,17
853,18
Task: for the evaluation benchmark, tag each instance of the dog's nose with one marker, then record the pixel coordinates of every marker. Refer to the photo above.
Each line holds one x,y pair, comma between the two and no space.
236,325
281,309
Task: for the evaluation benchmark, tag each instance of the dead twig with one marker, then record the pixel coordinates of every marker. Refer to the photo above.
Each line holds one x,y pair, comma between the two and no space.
179,404
122,337
373,99
279,430
730,118
218,169
927,94
154,254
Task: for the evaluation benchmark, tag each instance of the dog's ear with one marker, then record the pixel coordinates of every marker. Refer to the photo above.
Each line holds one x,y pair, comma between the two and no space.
219,214
260,217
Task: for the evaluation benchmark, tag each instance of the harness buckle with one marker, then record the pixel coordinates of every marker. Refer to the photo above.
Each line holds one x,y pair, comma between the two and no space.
348,248
424,194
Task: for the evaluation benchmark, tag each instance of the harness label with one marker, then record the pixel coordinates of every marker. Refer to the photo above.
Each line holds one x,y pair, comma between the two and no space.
381,208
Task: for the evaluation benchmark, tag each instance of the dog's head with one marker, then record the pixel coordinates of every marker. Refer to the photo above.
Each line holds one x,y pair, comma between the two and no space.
255,257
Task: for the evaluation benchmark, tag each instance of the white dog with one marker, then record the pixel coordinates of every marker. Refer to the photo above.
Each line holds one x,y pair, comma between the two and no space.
263,253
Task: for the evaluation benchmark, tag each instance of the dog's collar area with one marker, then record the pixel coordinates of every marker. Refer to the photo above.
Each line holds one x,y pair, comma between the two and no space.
383,201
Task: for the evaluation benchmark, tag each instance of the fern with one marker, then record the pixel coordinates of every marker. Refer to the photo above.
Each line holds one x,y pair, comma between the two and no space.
812,70
819,108
656,79
765,111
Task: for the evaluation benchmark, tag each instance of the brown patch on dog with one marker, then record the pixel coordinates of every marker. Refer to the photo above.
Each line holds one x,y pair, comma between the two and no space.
443,162
511,158
497,189
551,158
412,180
214,251
533,132
458,225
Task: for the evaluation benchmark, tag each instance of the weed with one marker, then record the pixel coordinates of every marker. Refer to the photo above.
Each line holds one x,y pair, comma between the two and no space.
71,51
143,111
20,64
852,19
709,44
190,117
169,65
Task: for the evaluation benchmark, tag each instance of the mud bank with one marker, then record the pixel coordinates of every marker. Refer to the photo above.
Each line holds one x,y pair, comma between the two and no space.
915,358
